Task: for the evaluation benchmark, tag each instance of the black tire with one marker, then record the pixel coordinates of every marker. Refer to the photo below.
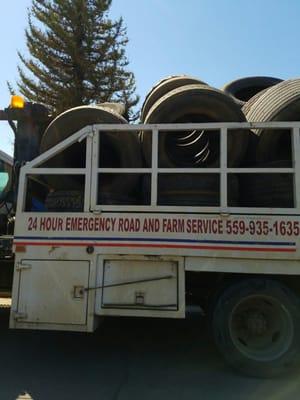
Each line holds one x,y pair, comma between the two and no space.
256,325
73,200
247,106
238,102
245,88
279,103
188,190
107,198
163,87
121,149
192,190
267,190
65,200
195,103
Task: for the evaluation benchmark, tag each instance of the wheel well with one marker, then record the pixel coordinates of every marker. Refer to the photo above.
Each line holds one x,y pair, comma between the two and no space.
204,288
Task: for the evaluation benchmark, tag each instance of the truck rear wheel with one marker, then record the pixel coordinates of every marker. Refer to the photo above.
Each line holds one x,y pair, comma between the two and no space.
256,327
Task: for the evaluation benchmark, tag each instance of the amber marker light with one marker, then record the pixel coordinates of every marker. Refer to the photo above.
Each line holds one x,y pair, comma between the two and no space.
20,249
17,102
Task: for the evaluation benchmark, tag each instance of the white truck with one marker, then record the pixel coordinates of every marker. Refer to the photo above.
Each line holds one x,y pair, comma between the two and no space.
241,264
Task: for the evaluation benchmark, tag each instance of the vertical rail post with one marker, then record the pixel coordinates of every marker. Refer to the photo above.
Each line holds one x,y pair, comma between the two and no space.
296,165
94,168
154,166
88,174
22,190
223,167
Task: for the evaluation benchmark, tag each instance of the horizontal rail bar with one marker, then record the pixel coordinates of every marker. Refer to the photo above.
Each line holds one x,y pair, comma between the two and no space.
56,171
124,170
197,209
188,170
194,170
192,126
155,208
260,170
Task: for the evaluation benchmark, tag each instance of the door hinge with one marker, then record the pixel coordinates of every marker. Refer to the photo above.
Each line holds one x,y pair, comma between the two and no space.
19,315
20,266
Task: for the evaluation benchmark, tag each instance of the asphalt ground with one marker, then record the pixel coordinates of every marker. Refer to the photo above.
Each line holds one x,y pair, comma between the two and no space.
127,358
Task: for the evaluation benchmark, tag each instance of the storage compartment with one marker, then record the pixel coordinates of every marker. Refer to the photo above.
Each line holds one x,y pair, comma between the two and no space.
144,287
52,292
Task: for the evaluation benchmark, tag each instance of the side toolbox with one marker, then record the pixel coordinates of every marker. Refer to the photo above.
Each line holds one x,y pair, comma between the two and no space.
50,292
140,286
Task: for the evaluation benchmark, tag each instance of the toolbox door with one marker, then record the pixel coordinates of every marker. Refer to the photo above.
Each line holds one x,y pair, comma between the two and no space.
51,291
140,286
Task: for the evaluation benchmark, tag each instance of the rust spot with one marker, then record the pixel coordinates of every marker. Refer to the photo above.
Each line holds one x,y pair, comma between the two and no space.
53,248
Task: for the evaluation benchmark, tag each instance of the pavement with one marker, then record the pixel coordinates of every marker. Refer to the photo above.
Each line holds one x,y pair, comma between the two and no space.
127,358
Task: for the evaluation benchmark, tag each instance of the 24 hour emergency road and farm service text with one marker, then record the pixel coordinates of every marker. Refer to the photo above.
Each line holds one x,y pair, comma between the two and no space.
203,226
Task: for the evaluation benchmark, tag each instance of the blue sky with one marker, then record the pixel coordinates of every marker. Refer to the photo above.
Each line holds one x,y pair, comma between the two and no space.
214,40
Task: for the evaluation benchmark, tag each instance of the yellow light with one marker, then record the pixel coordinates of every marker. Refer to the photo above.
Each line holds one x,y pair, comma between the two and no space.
17,102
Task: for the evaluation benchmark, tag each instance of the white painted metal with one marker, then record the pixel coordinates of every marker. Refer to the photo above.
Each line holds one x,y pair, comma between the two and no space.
21,192
6,158
88,175
223,170
154,177
94,171
47,292
296,161
162,298
56,171
261,170
124,170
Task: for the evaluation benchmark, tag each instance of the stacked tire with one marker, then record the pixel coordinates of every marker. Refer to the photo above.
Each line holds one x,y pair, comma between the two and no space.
183,100
272,147
244,89
117,149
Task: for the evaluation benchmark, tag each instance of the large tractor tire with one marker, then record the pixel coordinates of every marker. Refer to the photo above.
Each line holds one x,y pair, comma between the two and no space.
279,103
267,190
65,200
163,87
192,190
256,325
73,200
247,105
117,149
195,103
245,88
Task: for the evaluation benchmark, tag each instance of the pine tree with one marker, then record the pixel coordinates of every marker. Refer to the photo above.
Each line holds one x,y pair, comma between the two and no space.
77,56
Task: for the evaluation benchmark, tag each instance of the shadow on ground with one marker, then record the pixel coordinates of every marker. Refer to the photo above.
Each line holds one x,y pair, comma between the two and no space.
127,359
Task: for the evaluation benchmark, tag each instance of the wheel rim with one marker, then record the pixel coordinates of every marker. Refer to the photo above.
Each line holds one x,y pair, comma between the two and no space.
261,328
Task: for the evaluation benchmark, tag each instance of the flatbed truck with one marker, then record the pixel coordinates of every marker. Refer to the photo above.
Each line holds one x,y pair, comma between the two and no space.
240,264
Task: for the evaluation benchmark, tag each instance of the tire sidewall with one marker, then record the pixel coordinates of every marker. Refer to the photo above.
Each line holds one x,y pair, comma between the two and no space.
215,105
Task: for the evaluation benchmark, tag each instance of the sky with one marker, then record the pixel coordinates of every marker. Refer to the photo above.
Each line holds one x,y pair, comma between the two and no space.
216,41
